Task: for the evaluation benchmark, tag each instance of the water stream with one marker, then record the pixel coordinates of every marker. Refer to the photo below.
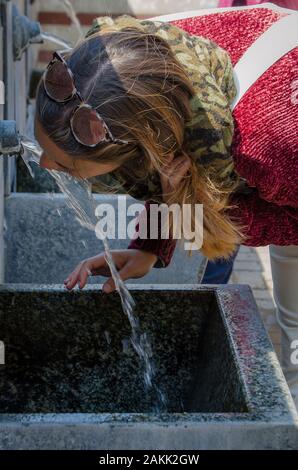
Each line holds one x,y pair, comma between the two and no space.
50,37
80,199
70,11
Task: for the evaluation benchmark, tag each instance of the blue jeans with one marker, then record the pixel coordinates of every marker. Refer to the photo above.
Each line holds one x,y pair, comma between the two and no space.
219,272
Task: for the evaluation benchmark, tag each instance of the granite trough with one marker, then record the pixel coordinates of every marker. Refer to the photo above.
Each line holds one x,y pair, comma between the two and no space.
42,233
72,380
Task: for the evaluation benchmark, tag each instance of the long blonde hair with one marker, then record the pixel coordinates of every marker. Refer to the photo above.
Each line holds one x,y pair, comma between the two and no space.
142,92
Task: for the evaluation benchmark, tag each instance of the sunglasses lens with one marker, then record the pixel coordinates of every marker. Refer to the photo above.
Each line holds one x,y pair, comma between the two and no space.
87,126
58,82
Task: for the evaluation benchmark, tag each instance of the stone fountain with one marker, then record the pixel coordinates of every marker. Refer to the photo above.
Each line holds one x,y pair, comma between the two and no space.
69,377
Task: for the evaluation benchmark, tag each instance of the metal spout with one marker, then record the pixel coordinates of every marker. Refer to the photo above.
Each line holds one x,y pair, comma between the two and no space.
25,32
10,142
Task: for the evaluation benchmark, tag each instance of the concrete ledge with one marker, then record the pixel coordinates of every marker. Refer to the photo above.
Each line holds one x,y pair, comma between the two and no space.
44,243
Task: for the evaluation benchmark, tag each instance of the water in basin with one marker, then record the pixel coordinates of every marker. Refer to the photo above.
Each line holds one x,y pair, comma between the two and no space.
69,352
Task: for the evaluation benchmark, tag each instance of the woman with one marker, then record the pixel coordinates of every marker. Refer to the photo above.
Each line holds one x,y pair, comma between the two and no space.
219,272
165,92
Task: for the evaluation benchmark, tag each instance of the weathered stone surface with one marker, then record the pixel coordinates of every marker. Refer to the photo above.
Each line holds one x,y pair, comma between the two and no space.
45,242
69,382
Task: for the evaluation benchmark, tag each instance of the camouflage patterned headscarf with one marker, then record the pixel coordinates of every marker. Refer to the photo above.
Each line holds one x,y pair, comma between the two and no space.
208,135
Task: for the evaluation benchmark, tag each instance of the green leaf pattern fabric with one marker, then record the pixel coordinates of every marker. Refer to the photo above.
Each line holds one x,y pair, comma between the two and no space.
208,135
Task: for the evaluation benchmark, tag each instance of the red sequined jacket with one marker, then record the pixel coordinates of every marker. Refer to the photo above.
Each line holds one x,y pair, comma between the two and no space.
265,142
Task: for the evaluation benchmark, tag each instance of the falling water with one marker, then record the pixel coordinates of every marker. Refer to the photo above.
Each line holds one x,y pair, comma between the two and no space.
56,40
80,199
73,16
30,152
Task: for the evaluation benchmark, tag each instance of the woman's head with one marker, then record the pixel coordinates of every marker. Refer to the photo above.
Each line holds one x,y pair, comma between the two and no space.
142,92
136,85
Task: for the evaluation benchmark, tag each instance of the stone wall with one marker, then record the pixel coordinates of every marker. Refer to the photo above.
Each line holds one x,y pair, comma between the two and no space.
15,76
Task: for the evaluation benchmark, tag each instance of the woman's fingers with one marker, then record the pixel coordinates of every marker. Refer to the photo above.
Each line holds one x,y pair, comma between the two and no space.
71,282
84,270
83,276
96,266
79,278
129,263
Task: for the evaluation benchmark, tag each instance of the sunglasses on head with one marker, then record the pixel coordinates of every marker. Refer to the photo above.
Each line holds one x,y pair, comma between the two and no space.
87,126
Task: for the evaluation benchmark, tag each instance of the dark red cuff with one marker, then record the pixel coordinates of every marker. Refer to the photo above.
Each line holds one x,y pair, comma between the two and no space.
161,247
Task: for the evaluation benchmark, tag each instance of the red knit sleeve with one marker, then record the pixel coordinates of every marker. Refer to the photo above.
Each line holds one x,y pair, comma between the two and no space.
275,179
266,222
161,247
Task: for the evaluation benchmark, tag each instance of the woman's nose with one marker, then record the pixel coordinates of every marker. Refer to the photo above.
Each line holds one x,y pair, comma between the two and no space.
46,162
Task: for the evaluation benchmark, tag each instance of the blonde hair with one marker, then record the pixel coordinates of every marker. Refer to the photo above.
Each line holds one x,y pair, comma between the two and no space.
142,92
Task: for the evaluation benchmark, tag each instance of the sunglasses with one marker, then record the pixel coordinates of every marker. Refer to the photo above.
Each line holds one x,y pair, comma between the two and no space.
87,126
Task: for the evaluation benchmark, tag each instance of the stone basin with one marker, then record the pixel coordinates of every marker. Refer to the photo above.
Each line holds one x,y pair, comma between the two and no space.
72,380
43,223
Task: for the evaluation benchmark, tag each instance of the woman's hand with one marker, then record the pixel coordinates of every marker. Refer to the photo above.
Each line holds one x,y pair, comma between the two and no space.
173,172
130,263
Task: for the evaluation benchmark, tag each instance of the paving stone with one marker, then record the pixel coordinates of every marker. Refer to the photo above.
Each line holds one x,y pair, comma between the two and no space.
247,265
247,277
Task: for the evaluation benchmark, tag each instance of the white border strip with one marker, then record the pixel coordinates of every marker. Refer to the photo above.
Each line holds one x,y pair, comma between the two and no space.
209,11
264,52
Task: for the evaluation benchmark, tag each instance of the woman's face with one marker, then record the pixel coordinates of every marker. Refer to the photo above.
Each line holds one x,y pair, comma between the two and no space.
53,158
